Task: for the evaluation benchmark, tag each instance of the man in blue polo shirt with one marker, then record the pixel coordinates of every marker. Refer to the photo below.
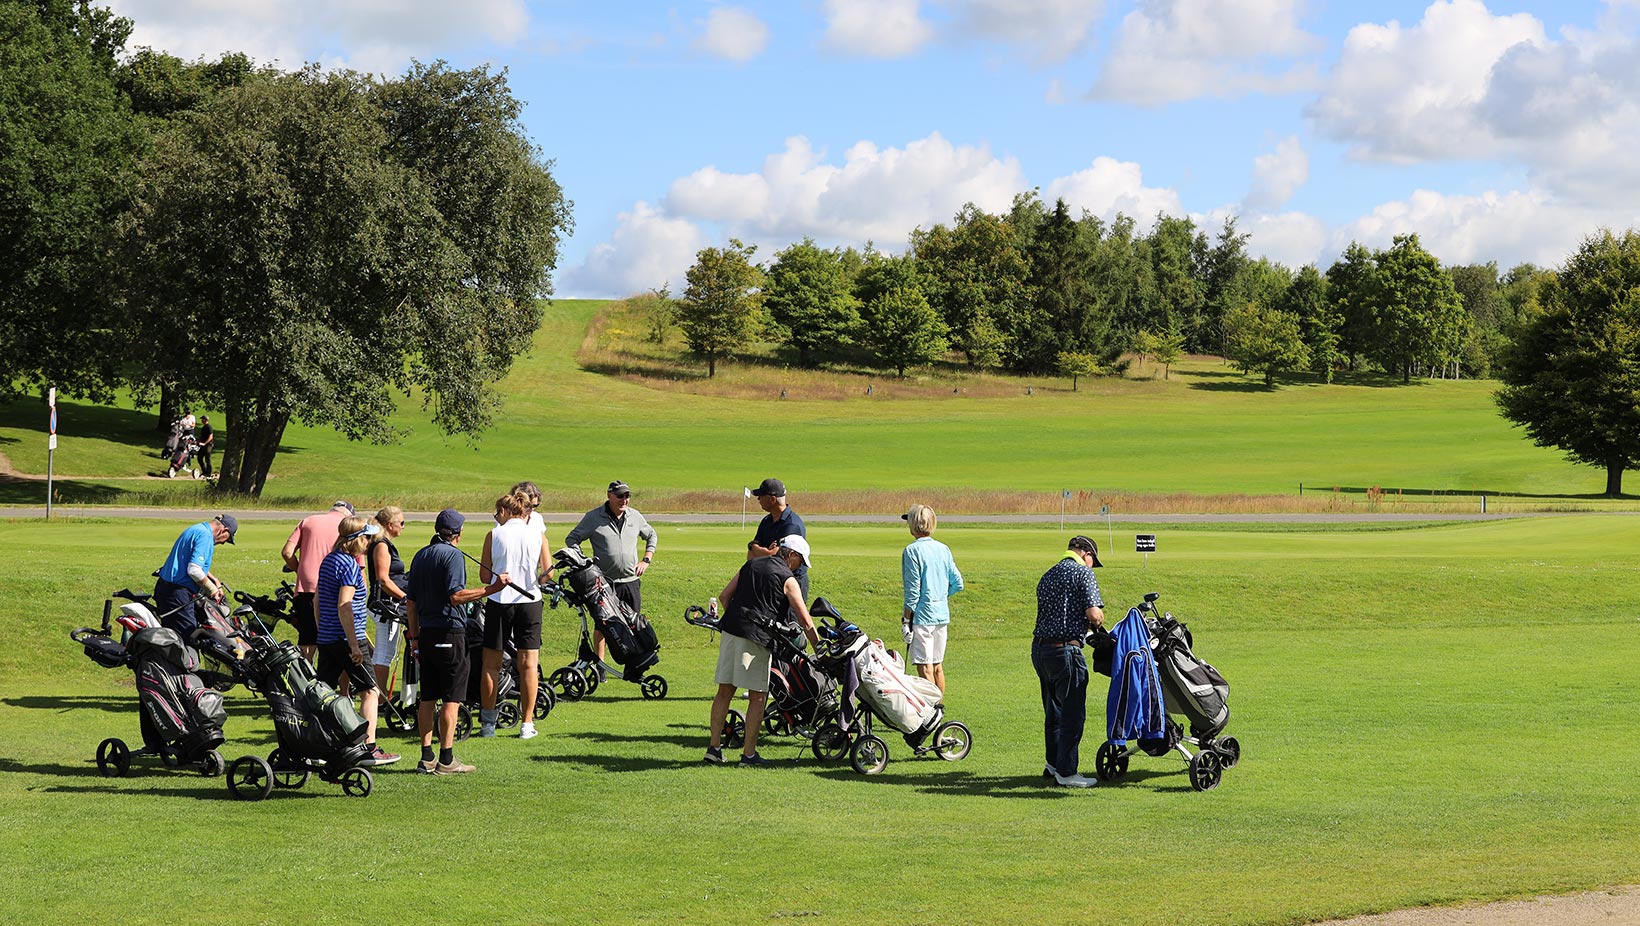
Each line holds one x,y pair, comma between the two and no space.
1067,602
779,520
187,572
437,612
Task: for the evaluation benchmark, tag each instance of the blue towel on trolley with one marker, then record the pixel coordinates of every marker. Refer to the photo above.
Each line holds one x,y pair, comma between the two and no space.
1134,709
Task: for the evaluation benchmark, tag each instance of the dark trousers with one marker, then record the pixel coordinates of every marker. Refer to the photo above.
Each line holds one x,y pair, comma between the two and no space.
1064,678
204,458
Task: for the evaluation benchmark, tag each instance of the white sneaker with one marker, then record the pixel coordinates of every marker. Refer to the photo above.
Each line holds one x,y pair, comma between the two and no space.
526,731
1074,781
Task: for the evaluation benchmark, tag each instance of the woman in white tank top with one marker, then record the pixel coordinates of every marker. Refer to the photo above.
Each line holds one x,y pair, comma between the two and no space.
512,615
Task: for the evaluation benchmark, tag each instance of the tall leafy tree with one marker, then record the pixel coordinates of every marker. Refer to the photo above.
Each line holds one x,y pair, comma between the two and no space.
1352,289
903,330
1076,364
1572,380
1264,340
1481,290
314,252
719,300
975,275
809,292
1065,316
1178,297
1318,324
67,143
1419,320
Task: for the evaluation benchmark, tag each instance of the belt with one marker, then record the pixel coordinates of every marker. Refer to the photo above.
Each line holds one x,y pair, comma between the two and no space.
1056,642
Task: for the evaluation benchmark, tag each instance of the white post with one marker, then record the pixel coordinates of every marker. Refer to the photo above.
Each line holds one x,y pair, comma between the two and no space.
51,446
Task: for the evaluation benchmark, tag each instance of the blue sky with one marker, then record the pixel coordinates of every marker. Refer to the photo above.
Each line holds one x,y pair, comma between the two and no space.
1497,131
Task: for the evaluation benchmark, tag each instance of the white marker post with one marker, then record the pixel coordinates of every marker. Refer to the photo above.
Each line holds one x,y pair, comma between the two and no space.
746,493
1064,496
51,445
1110,535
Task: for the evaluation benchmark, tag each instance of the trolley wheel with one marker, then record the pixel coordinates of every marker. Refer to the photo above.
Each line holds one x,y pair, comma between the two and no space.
830,744
653,687
1229,750
464,722
1205,770
953,741
545,701
507,715
169,757
869,754
250,778
113,758
286,777
357,782
1111,763
778,723
212,765
568,683
734,729
592,678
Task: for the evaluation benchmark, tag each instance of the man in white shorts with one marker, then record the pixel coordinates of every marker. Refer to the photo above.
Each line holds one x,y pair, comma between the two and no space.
755,604
930,577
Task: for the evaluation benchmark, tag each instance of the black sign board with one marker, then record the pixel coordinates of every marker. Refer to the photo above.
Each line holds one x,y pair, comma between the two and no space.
1144,543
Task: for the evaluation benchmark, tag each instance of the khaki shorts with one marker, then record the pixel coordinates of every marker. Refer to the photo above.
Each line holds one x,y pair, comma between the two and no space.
742,663
927,646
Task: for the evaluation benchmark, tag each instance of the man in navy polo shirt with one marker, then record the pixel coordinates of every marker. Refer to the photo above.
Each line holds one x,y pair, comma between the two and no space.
1067,602
780,520
437,611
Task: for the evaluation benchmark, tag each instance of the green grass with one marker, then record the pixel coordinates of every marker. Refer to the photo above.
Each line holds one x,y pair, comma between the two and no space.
1428,715
1208,431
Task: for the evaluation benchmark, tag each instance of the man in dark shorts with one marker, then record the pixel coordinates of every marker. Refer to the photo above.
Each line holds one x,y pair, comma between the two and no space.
780,520
205,436
437,611
304,550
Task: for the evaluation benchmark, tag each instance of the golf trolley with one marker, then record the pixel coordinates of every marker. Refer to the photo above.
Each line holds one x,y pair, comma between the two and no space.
584,587
1190,688
802,695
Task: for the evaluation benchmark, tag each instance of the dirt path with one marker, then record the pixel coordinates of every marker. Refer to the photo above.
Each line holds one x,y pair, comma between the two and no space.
1616,906
9,473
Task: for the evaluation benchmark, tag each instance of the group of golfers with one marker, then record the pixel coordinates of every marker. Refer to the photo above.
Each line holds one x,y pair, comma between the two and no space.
349,573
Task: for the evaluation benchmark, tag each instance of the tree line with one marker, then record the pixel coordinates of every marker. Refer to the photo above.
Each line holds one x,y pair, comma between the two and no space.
1040,291
281,245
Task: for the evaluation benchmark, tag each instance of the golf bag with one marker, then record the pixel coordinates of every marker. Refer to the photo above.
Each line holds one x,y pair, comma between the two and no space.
182,459
1190,687
173,439
1133,708
310,720
908,703
631,638
177,709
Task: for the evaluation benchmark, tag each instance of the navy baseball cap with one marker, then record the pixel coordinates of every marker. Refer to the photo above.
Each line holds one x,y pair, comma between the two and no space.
449,521
771,487
231,523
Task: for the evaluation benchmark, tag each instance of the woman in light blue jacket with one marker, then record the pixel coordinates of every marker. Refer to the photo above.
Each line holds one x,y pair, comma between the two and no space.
930,577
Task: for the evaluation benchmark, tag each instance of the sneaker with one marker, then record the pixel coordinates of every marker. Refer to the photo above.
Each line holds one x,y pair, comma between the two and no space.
1074,781
456,767
527,731
714,755
427,766
755,760
379,757
1048,772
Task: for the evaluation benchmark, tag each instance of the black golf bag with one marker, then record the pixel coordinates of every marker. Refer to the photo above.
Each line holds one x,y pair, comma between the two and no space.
631,638
310,720
1190,687
173,439
178,710
182,458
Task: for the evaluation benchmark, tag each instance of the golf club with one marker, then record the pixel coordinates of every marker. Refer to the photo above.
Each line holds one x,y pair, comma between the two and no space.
483,569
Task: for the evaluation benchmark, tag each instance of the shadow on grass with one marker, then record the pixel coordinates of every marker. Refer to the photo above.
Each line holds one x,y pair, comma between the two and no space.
1248,386
114,704
617,763
695,738
14,491
957,782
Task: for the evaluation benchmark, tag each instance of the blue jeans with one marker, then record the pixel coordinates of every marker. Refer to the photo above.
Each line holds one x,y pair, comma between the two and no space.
1064,677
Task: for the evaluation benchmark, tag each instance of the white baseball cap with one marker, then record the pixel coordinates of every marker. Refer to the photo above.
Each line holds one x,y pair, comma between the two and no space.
797,544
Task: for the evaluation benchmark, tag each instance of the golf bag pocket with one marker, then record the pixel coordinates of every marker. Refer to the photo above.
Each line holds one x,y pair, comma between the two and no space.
334,714
643,634
297,733
104,651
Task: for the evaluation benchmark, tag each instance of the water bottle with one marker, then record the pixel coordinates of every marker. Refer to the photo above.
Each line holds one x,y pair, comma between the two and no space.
712,608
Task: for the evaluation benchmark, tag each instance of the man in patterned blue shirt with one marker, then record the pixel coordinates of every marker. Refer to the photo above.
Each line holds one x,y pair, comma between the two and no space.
1067,602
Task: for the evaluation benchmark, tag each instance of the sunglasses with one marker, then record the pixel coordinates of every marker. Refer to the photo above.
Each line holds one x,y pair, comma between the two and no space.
623,494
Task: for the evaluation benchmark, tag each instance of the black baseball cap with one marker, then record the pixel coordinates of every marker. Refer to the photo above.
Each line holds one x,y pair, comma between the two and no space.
620,488
1085,544
771,487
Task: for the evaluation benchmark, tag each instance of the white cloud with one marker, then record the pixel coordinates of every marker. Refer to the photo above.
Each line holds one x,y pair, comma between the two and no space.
874,193
733,33
378,35
1277,175
648,249
1407,94
1108,186
1290,238
1508,227
875,28
1052,28
1169,50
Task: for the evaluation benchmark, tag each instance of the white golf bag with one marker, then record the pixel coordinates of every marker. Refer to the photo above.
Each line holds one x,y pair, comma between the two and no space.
908,703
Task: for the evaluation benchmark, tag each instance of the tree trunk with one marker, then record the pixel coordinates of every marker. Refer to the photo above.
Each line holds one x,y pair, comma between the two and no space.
1614,478
254,431
1270,377
711,365
1073,384
170,406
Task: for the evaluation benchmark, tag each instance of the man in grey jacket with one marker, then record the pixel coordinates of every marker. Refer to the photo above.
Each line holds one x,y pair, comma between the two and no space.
615,528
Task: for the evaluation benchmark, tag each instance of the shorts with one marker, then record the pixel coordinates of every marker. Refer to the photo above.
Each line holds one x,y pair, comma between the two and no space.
520,622
742,663
305,619
927,644
335,659
443,662
631,593
388,634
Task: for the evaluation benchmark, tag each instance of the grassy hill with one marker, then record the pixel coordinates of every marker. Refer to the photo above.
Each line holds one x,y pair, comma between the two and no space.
690,443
